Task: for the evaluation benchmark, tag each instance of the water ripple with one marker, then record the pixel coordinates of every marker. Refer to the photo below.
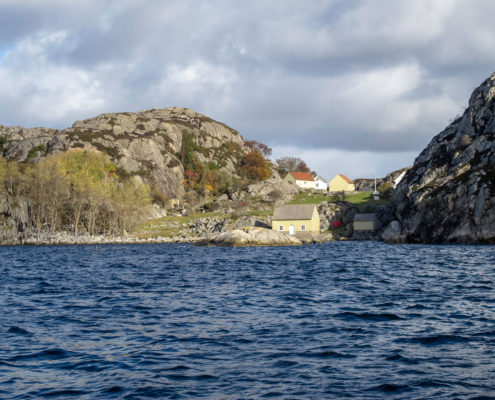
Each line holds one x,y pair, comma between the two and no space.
340,320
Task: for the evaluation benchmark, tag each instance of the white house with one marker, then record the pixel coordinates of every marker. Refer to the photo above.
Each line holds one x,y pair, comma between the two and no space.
320,183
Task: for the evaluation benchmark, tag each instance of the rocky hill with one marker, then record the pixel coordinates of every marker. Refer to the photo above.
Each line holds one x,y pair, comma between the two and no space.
448,196
382,184
154,144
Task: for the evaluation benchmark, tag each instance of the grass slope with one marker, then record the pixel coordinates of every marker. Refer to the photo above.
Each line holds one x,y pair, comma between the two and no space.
359,199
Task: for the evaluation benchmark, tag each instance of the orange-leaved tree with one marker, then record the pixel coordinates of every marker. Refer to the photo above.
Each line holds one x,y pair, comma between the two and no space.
254,166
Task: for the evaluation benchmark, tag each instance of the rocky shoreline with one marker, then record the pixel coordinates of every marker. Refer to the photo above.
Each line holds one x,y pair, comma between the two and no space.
238,237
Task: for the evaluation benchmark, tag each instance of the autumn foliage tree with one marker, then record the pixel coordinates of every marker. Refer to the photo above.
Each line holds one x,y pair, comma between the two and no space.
260,147
254,166
291,164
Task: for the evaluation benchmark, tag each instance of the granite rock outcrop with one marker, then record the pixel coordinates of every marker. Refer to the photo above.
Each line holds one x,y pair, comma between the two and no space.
448,196
146,143
252,237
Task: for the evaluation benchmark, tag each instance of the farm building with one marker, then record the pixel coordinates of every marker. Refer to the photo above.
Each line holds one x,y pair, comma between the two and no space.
293,219
341,183
302,179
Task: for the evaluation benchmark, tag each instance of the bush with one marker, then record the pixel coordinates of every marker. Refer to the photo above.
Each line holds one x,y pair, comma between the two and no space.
254,166
158,197
386,189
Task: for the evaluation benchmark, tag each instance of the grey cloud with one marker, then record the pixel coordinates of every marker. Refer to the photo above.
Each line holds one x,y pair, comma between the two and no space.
278,72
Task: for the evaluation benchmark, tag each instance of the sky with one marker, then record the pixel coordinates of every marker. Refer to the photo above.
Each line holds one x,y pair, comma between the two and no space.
352,87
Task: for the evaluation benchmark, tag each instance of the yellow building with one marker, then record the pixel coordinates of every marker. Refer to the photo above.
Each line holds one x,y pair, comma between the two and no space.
293,219
341,183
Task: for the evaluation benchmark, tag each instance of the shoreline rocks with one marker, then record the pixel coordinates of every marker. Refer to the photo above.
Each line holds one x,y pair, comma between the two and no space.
251,237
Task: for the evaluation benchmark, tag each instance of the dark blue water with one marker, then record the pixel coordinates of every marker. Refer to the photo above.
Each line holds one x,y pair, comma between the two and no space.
341,320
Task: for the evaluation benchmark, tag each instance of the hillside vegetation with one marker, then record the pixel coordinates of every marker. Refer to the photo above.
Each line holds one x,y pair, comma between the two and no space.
77,189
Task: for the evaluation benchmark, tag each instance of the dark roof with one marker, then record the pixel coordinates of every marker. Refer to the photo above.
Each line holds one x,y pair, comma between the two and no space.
297,212
302,176
365,217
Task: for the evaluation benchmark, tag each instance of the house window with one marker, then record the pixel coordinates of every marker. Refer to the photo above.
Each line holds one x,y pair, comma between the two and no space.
281,228
303,227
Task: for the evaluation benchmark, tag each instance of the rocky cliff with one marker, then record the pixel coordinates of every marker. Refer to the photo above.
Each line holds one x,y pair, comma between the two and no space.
147,143
448,196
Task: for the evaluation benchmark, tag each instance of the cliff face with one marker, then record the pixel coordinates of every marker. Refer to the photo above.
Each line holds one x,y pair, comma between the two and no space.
448,196
147,143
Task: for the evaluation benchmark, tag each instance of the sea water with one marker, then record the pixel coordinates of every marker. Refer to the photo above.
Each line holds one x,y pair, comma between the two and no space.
361,320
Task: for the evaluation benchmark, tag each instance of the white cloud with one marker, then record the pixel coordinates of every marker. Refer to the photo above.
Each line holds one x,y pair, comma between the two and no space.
199,83
329,162
42,89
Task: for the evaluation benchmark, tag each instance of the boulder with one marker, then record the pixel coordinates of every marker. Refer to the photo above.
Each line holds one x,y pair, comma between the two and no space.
392,232
251,237
323,237
274,189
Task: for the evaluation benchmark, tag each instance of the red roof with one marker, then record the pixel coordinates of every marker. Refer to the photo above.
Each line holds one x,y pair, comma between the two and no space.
345,178
302,176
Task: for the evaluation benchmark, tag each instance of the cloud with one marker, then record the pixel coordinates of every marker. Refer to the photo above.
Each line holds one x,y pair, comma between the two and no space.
355,164
30,79
371,76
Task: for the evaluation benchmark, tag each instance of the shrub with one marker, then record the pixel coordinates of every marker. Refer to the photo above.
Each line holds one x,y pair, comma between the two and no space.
158,197
254,166
33,152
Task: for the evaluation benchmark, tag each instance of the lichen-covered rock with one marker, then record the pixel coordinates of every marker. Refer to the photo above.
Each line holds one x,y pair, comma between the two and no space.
341,211
323,237
252,237
392,233
274,189
449,193
146,143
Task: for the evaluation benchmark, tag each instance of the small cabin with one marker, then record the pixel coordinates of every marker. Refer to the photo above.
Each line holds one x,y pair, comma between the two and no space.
293,219
341,183
366,222
302,179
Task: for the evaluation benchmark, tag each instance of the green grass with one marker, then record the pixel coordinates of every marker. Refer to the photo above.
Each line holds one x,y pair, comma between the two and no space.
310,198
363,198
167,226
358,199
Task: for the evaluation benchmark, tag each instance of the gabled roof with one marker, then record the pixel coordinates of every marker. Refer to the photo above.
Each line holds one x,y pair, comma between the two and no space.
302,176
296,212
345,178
320,178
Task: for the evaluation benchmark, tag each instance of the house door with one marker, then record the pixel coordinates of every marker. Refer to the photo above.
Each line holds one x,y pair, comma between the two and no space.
292,230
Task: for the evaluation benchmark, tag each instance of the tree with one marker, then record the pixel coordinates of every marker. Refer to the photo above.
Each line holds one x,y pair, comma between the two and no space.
87,173
255,166
49,192
260,147
291,164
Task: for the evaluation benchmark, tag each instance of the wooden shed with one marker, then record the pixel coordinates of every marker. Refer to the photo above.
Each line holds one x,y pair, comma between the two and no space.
366,222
